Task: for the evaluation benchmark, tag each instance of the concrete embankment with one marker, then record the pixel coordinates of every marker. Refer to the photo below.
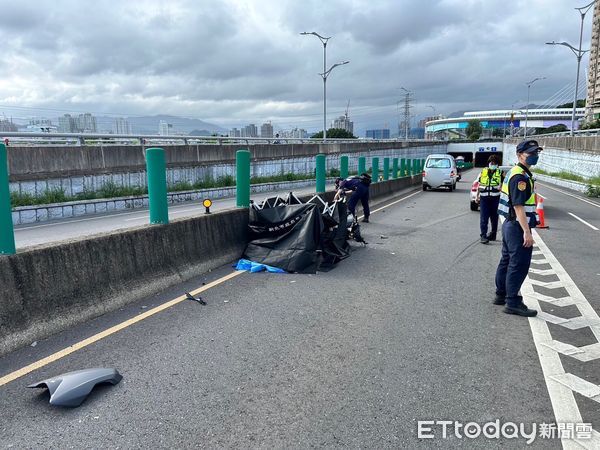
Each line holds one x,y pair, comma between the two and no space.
76,170
579,155
49,288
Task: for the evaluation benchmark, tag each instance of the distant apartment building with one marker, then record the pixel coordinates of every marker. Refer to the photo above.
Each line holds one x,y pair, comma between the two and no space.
66,124
298,133
344,123
250,131
266,130
383,133
122,126
592,106
163,128
234,132
86,123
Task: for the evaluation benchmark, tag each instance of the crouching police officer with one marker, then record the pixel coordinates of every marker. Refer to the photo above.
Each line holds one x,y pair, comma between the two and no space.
517,205
359,186
490,180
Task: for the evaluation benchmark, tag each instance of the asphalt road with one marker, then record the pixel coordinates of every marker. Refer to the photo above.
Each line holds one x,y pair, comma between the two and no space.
77,227
404,330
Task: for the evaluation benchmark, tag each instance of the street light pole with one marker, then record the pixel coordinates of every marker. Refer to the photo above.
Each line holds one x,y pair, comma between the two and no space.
324,75
578,52
527,106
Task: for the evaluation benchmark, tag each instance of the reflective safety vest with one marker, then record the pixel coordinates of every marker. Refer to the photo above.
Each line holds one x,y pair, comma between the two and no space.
505,208
490,186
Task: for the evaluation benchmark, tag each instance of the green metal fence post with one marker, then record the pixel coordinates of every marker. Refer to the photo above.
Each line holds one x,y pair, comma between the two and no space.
403,167
242,178
362,164
7,233
320,173
375,168
395,168
156,169
344,167
422,165
386,169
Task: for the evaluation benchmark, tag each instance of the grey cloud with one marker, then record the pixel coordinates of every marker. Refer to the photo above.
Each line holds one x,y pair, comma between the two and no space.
236,57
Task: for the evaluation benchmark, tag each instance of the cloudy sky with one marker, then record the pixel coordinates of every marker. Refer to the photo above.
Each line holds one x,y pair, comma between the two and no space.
232,62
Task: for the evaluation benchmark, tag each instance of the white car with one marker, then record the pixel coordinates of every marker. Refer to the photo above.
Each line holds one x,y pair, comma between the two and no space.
440,171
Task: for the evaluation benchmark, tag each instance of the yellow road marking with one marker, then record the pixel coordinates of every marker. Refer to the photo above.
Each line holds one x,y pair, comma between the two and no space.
95,338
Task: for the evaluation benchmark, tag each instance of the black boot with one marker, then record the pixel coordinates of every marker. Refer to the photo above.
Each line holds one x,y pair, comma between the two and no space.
499,300
491,237
484,240
365,219
520,310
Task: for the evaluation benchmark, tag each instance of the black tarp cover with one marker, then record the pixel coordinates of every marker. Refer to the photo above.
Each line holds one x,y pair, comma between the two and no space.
298,237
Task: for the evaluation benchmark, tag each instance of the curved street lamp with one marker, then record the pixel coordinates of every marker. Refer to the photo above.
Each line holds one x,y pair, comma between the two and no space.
324,75
527,106
578,53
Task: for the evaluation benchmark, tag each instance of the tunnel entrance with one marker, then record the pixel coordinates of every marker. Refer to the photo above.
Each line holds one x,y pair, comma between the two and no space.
481,158
467,155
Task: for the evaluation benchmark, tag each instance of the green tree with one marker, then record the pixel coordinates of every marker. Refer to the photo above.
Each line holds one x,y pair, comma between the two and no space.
553,129
335,133
580,104
474,130
591,125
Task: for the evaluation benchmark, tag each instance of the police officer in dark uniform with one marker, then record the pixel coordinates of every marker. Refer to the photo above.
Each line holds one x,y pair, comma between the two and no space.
517,205
490,180
359,186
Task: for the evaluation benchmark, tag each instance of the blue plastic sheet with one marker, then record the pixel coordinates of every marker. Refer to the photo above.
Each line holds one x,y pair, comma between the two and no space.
253,267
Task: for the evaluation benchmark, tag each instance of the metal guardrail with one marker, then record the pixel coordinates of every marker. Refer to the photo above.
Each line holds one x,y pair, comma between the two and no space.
591,132
78,139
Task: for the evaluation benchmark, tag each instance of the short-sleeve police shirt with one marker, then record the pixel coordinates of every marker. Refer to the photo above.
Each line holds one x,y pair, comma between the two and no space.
519,190
350,184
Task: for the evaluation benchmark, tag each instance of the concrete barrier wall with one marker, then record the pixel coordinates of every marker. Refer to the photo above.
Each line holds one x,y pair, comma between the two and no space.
579,155
49,288
73,183
40,163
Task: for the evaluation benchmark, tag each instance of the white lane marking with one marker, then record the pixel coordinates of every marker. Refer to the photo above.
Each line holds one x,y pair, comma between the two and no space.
586,353
550,284
597,205
541,271
544,197
560,386
584,222
171,213
579,385
66,222
393,203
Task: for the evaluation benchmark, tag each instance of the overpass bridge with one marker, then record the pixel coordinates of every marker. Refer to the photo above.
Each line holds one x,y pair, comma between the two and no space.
511,121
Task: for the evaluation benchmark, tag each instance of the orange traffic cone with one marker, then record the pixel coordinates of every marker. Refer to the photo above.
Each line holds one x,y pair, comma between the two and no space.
540,211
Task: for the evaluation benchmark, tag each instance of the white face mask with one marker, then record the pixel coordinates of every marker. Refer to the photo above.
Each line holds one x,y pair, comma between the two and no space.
493,166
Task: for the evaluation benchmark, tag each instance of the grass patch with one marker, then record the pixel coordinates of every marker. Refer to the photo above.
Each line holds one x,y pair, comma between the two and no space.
593,188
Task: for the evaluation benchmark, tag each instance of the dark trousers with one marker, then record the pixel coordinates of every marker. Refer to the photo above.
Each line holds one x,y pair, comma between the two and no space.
361,193
489,212
514,263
